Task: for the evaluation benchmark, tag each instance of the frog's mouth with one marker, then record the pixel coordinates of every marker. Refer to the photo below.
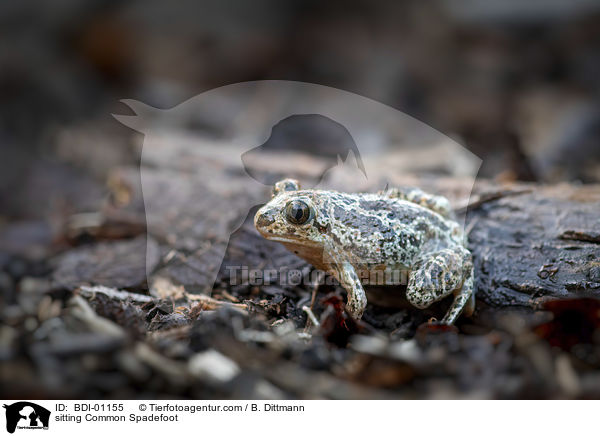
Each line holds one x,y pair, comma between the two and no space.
280,239
288,240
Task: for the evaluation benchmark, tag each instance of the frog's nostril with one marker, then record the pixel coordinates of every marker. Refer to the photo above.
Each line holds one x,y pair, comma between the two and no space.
264,220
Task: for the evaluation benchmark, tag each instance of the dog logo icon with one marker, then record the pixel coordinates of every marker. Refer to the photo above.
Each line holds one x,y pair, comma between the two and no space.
192,151
26,415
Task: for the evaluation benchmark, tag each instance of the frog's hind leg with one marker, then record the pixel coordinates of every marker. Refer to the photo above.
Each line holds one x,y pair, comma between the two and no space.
435,203
438,274
464,300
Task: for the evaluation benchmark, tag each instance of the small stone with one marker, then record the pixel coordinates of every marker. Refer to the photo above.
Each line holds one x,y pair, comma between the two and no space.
213,366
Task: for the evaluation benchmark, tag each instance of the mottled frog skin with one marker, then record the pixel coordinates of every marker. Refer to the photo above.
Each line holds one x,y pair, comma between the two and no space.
353,235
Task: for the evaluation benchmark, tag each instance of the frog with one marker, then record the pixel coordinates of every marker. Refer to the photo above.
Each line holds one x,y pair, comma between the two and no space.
353,236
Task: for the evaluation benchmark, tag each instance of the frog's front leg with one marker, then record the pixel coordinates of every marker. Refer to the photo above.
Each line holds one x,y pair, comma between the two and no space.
438,274
345,273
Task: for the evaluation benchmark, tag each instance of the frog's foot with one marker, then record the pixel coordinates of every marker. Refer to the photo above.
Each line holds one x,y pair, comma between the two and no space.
437,275
357,299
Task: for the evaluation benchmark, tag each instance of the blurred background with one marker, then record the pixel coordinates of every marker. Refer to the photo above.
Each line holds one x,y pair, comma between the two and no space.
516,83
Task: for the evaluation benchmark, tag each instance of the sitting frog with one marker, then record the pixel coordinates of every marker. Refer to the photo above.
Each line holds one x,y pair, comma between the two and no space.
352,236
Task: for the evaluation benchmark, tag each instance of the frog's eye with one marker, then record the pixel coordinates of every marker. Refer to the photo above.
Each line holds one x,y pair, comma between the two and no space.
297,212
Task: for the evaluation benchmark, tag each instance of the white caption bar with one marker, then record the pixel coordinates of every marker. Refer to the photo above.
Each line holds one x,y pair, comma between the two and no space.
40,417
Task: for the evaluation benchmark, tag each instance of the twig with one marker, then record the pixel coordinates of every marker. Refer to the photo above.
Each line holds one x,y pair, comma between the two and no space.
311,316
489,197
211,303
91,291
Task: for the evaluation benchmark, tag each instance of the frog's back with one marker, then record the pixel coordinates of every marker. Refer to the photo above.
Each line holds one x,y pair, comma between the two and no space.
379,230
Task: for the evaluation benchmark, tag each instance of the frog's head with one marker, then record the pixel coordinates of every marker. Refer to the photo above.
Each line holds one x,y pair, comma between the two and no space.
292,216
